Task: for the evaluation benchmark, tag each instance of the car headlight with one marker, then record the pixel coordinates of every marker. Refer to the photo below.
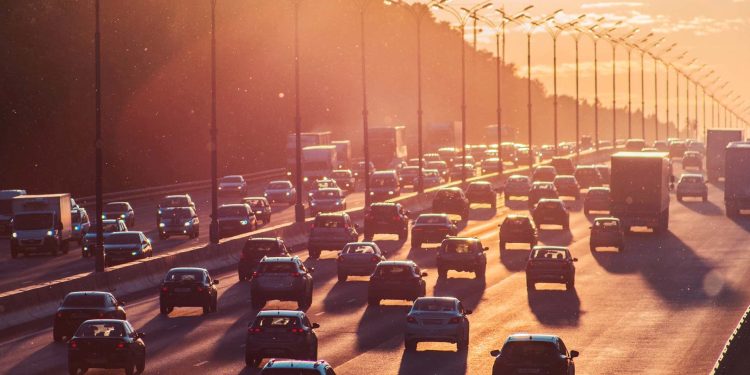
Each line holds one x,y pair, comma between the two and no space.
288,173
243,222
312,203
105,216
122,216
77,227
372,193
304,179
161,225
390,193
337,203
187,223
15,235
159,211
239,187
258,212
288,193
50,233
265,194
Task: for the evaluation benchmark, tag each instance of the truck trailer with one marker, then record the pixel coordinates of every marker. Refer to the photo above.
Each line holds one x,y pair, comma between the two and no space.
716,144
737,178
640,185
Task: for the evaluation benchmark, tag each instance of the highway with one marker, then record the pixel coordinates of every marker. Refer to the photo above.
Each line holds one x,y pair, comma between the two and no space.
664,306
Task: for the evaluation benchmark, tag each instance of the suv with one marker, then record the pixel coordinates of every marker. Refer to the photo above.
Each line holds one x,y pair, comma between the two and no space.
280,333
390,218
260,207
331,232
597,199
544,173
607,232
180,221
432,228
516,186
550,264
692,185
481,192
284,279
396,279
541,190
384,185
451,201
344,179
292,366
518,229
108,227
461,254
174,201
563,165
327,200
551,211
281,192
587,176
692,159
567,186
534,354
256,249
78,307
236,219
188,286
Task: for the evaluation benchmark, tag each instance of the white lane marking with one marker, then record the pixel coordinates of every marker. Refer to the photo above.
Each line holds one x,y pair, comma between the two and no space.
320,313
199,364
351,300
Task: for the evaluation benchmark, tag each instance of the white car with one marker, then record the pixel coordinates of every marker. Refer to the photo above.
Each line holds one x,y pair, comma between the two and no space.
280,192
441,319
234,184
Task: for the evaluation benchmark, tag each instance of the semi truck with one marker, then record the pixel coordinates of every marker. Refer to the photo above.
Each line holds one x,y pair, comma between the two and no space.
306,139
442,134
41,223
343,153
737,178
716,144
640,184
388,147
6,209
318,162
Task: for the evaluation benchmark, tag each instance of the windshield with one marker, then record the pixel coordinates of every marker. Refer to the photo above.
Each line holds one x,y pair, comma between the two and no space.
383,210
255,202
121,238
85,300
174,214
317,165
109,329
184,275
329,222
260,247
392,271
411,171
458,247
549,254
358,249
327,194
32,221
175,202
534,352
278,186
434,305
232,180
432,220
115,207
277,267
230,211
448,194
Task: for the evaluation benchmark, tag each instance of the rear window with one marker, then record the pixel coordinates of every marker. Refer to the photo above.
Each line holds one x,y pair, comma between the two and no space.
186,275
534,352
434,305
519,221
261,248
232,211
120,238
358,249
277,267
458,247
607,224
549,204
327,194
341,174
392,271
598,193
480,187
109,329
329,222
448,194
276,322
437,164
691,179
549,254
383,182
432,220
519,181
85,300
384,210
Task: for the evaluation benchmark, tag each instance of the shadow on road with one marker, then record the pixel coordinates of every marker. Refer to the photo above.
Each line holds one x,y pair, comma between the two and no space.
468,290
379,323
345,297
514,260
555,237
483,212
433,362
555,307
708,208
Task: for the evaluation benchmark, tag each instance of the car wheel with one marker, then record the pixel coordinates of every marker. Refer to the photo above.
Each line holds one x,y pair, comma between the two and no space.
442,273
206,308
251,360
479,274
416,245
410,345
586,212
314,253
72,369
502,246
530,285
705,198
129,368
141,365
342,277
163,309
679,198
570,285
463,344
215,305
56,335
403,235
373,301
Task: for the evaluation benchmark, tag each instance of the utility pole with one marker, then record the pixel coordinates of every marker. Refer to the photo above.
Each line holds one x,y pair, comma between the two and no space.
98,144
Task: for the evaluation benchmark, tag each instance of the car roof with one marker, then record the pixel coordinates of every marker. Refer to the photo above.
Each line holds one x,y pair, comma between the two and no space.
436,298
295,363
532,337
362,243
608,218
452,188
258,198
382,204
554,200
279,259
384,173
517,216
544,167
564,177
262,239
518,177
296,313
432,215
280,182
120,202
342,171
329,189
397,263
88,292
332,214
233,205
126,232
479,183
598,188
188,269
692,175
548,247
176,196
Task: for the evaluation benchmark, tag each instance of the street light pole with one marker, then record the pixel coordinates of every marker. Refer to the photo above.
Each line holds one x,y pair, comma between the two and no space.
99,251
299,208
365,127
214,226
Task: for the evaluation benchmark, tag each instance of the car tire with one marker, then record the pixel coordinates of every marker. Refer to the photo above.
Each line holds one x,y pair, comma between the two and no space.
530,286
403,235
410,345
463,344
679,198
56,335
251,360
141,365
72,369
480,273
163,309
586,212
313,253
129,368
373,301
206,308
313,354
705,198
416,245
342,277
570,286
442,273
54,251
215,304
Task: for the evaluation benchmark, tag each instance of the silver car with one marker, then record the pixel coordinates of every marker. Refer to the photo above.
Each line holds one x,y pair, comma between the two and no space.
442,319
327,200
692,185
280,192
358,259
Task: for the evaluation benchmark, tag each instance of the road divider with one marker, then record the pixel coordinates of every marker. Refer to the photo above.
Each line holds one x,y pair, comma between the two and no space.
734,359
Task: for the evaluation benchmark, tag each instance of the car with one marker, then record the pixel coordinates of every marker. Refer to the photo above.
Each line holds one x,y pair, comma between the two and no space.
327,200
431,228
236,219
437,319
344,179
541,190
122,247
544,173
108,344
81,224
518,228
440,166
414,162
533,354
119,210
261,207
178,221
481,192
596,199
567,186
280,333
661,146
174,201
635,144
431,178
587,176
547,151
677,149
692,159
78,307
232,185
458,171
490,165
323,183
470,160
451,200
384,185
358,259
188,286
607,232
109,226
280,191
516,186
283,279
692,185
448,154
294,366
563,165
409,176
699,147
359,170
331,231
396,279
551,211
461,254
255,249
550,264
605,144
604,172
431,156
387,218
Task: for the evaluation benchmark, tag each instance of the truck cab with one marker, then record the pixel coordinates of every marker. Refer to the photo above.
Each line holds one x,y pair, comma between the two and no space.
318,162
41,223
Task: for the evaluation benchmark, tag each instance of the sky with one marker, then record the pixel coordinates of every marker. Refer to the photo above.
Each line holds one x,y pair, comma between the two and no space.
713,32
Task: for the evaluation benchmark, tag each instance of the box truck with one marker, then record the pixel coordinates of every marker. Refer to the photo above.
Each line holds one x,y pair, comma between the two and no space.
640,184
41,223
716,144
737,178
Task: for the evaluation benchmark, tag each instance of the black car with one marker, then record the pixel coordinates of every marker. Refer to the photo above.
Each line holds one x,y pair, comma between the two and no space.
431,228
563,165
516,186
283,279
108,344
188,286
409,176
396,279
481,192
533,354
597,199
109,227
119,211
607,232
344,179
235,219
280,333
78,307
178,221
567,186
256,249
550,264
387,218
121,247
384,185
541,190
587,176
544,173
173,201
461,254
261,207
331,231
451,200
518,229
551,211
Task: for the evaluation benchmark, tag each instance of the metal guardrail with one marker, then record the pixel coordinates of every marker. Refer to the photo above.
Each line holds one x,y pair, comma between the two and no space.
156,191
735,350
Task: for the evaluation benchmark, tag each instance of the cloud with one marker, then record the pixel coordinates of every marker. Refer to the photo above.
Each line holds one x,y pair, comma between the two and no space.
612,4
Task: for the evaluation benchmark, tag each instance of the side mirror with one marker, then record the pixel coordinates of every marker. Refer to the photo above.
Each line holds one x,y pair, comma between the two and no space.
486,249
467,312
140,335
216,282
424,274
316,326
496,353
575,259
574,353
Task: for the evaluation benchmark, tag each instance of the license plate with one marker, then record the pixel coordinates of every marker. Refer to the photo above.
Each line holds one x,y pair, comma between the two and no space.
96,360
182,290
79,315
528,371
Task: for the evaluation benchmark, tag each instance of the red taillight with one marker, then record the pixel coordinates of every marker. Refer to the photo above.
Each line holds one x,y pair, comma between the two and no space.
199,289
297,330
59,315
454,320
256,273
411,319
375,259
120,345
295,274
396,218
73,345
101,315
254,330
164,289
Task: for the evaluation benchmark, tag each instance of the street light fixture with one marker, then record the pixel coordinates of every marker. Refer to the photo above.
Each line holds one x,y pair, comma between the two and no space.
643,49
677,78
99,250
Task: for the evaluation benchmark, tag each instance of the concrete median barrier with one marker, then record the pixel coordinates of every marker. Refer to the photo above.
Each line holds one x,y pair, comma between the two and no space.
39,302
734,359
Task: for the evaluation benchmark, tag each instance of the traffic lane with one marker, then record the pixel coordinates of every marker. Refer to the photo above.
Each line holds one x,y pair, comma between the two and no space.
216,340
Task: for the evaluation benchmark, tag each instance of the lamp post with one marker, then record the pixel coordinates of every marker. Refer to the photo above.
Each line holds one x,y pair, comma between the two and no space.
629,47
99,250
656,89
667,66
687,98
462,18
214,226
643,50
299,208
613,43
